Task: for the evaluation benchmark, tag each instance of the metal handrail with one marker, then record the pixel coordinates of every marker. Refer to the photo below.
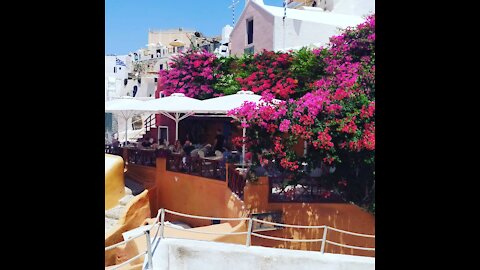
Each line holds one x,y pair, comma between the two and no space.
288,225
123,242
348,246
352,233
286,239
160,220
250,232
129,260
182,229
203,217
147,252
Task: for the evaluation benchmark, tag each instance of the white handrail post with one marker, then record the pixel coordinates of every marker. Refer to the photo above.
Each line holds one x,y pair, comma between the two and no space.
324,239
249,232
149,250
162,222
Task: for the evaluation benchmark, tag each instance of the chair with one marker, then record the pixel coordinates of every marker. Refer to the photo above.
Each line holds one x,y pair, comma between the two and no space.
194,153
206,166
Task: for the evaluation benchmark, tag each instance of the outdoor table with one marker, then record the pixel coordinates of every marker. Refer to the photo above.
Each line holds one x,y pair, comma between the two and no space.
214,158
240,164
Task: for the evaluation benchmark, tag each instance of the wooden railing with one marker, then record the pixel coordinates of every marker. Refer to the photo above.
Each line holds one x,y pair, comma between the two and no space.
149,122
109,149
144,156
213,169
236,181
307,189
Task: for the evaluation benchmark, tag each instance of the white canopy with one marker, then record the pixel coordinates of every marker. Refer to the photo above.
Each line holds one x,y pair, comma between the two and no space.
176,103
223,104
125,108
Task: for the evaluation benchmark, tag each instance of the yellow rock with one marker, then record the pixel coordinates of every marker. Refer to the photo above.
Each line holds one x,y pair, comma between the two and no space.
114,180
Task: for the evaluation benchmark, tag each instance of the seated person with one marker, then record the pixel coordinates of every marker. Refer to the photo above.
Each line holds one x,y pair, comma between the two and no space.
115,143
219,140
147,142
154,145
177,148
188,147
209,151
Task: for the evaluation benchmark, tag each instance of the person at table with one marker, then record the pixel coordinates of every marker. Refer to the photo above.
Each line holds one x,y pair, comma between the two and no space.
155,144
208,150
178,148
147,142
188,147
162,143
219,140
115,143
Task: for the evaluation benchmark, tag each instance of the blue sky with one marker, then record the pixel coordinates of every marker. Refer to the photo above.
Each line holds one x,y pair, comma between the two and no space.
127,21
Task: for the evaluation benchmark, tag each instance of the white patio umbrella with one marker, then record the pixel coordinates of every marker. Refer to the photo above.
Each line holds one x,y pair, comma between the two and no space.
125,108
175,104
223,104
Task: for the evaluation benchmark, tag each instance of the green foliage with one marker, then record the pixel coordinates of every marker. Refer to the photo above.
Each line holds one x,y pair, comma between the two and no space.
227,85
307,67
226,70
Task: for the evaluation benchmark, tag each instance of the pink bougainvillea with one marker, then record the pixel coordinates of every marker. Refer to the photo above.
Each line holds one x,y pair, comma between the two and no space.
190,73
336,118
328,100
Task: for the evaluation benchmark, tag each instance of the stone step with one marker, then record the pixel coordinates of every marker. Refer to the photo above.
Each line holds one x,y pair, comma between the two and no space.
135,187
123,201
109,223
115,212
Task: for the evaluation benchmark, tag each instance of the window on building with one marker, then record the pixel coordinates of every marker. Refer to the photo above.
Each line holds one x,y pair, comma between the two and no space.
156,79
135,88
114,69
249,50
162,134
250,31
161,66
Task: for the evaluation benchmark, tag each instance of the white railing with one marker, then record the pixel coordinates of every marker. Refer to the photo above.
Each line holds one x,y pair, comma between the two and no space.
148,252
160,221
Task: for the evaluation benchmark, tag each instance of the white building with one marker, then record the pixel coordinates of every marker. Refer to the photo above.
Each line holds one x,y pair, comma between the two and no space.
273,28
136,74
115,75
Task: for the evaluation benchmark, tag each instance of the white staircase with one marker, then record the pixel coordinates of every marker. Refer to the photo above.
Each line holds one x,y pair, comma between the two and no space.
134,135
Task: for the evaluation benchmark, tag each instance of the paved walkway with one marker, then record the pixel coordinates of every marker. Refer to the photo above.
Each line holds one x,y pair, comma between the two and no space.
134,186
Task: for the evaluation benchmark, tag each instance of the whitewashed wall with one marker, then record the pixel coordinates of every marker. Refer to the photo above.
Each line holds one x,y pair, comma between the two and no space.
301,33
190,254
